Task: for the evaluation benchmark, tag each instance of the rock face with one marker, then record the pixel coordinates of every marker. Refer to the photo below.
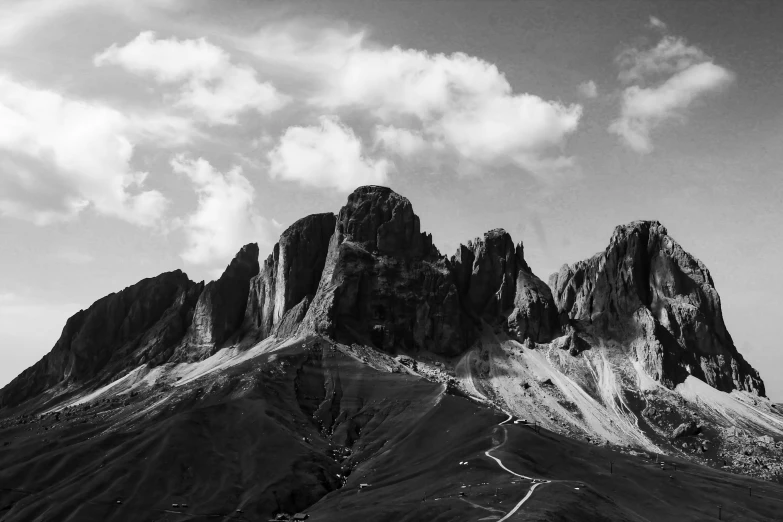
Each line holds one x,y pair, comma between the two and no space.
289,276
221,307
496,283
142,323
384,283
487,270
646,291
379,220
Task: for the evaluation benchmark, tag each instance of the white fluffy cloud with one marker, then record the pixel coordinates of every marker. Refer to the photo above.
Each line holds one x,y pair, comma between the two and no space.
460,103
58,156
404,142
661,83
210,84
225,218
671,55
643,109
327,155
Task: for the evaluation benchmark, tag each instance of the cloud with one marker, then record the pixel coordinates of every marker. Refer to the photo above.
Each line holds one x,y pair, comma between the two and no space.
59,156
225,218
643,109
404,142
327,155
662,83
671,55
18,18
588,89
210,84
459,104
657,23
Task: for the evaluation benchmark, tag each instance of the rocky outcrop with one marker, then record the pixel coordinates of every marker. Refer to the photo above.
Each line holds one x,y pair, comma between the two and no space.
220,309
487,270
572,342
142,323
290,275
259,310
686,429
646,291
380,221
496,284
384,283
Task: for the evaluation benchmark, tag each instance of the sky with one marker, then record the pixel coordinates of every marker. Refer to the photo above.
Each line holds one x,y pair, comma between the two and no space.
142,137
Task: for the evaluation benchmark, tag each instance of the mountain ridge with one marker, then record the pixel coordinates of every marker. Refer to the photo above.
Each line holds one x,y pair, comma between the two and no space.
378,261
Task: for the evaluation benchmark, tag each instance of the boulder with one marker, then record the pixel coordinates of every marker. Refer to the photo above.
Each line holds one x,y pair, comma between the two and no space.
573,343
685,429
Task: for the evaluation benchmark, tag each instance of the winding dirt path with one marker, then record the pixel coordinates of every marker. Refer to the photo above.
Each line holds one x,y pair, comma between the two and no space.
536,482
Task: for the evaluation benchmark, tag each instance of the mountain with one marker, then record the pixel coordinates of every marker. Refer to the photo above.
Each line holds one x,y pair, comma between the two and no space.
138,325
359,373
649,293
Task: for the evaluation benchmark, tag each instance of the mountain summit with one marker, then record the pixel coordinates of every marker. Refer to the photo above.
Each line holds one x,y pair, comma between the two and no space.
646,291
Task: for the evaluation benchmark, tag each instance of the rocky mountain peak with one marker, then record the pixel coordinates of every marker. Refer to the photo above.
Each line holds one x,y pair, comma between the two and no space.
487,270
641,228
221,306
645,290
383,281
244,264
290,275
380,220
139,324
496,284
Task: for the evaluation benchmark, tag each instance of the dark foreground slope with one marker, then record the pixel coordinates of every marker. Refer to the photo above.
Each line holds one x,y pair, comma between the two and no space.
301,428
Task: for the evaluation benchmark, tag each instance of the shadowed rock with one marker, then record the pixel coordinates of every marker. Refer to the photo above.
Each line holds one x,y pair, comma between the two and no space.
221,307
142,323
496,283
380,220
384,283
685,429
